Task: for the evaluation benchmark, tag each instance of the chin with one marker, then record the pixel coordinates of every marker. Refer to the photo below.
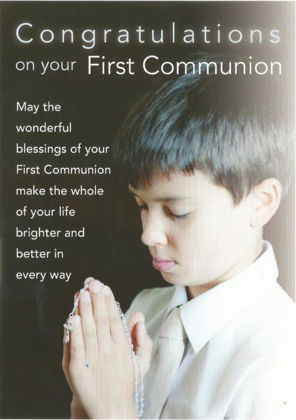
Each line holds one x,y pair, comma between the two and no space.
182,280
173,279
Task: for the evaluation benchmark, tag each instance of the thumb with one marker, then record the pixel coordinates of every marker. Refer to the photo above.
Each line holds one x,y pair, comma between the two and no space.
134,319
141,341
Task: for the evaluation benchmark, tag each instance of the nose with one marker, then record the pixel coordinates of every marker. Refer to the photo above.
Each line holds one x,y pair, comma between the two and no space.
154,232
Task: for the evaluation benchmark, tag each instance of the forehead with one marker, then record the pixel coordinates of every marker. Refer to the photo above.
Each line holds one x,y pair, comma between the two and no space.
175,186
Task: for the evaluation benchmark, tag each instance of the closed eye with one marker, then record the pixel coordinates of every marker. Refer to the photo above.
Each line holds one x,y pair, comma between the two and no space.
181,216
177,216
170,213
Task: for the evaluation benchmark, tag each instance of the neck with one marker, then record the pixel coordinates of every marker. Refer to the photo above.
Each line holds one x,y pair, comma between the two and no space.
248,259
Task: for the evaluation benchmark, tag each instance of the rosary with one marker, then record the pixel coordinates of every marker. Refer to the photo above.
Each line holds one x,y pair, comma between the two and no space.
137,367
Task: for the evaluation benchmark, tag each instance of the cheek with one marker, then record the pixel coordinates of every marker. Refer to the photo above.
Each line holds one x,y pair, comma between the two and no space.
223,239
211,238
188,240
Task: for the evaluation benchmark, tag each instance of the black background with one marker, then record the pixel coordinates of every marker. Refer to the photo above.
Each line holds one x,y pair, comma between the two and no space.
32,313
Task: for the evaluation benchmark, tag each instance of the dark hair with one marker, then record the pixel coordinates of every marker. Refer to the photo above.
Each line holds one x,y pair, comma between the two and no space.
234,128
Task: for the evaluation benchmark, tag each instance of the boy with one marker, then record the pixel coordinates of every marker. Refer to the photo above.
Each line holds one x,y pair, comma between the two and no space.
206,157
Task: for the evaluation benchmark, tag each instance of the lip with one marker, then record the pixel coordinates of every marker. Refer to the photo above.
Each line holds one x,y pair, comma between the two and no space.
163,264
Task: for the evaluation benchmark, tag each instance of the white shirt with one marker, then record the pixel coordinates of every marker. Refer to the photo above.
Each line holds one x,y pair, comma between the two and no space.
240,359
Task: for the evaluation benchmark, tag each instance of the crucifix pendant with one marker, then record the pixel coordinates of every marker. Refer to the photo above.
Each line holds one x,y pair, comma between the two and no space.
69,324
68,327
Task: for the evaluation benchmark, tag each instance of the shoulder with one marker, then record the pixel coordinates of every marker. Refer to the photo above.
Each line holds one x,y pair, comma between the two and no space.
270,327
152,302
155,294
151,299
266,361
279,318
267,391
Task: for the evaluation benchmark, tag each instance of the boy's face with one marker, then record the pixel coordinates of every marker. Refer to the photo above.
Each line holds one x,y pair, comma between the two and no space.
195,234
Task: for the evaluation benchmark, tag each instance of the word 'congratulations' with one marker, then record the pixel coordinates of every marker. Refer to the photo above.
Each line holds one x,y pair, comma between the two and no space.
28,33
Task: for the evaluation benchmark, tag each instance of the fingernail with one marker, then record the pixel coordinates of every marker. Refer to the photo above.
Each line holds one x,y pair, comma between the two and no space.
95,286
88,280
106,290
143,326
85,296
141,317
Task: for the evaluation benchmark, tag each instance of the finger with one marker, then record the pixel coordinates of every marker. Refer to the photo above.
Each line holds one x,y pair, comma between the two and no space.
100,315
135,318
115,323
66,362
66,353
144,345
141,334
76,306
88,326
77,353
87,281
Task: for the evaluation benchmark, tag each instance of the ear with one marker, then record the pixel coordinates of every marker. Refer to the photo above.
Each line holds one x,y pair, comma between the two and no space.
265,199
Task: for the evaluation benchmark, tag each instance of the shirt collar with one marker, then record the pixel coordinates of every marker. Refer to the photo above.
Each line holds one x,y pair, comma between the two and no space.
207,313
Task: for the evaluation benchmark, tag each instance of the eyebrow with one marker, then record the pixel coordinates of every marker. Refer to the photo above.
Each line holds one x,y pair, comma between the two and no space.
169,198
